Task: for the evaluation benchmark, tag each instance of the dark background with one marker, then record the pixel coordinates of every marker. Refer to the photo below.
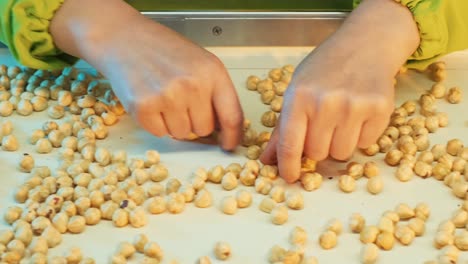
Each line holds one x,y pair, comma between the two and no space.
242,5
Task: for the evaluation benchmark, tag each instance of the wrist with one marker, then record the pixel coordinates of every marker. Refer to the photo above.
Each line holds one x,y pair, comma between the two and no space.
385,29
80,28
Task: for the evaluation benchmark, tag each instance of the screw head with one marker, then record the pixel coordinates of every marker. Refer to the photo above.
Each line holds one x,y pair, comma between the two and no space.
217,30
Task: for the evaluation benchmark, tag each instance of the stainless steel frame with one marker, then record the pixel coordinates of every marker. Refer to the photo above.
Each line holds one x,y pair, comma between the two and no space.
252,28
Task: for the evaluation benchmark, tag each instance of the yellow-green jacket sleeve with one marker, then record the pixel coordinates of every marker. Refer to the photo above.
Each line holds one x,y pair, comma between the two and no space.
24,28
443,27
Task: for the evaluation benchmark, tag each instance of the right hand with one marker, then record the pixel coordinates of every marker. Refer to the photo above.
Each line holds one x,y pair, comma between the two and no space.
167,83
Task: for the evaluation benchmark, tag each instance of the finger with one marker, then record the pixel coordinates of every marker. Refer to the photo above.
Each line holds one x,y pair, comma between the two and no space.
154,124
202,119
348,130
345,139
290,146
268,156
371,131
377,121
228,112
149,118
318,139
177,123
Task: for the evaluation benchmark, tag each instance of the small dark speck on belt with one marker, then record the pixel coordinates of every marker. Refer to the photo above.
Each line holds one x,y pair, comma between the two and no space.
124,204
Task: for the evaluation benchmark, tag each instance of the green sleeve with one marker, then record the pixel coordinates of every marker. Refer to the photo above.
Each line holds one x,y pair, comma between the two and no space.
24,28
443,27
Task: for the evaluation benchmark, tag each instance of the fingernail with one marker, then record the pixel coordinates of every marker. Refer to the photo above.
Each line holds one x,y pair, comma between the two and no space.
289,180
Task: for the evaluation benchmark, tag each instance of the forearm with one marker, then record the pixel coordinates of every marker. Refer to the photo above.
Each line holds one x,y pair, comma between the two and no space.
83,27
382,28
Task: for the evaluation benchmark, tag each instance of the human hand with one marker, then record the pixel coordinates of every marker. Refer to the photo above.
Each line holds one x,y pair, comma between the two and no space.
331,107
167,83
171,86
341,95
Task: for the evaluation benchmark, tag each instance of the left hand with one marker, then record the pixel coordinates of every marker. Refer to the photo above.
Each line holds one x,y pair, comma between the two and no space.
331,106
341,95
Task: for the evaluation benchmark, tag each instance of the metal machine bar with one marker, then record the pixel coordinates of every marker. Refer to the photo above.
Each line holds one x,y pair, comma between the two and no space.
252,28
